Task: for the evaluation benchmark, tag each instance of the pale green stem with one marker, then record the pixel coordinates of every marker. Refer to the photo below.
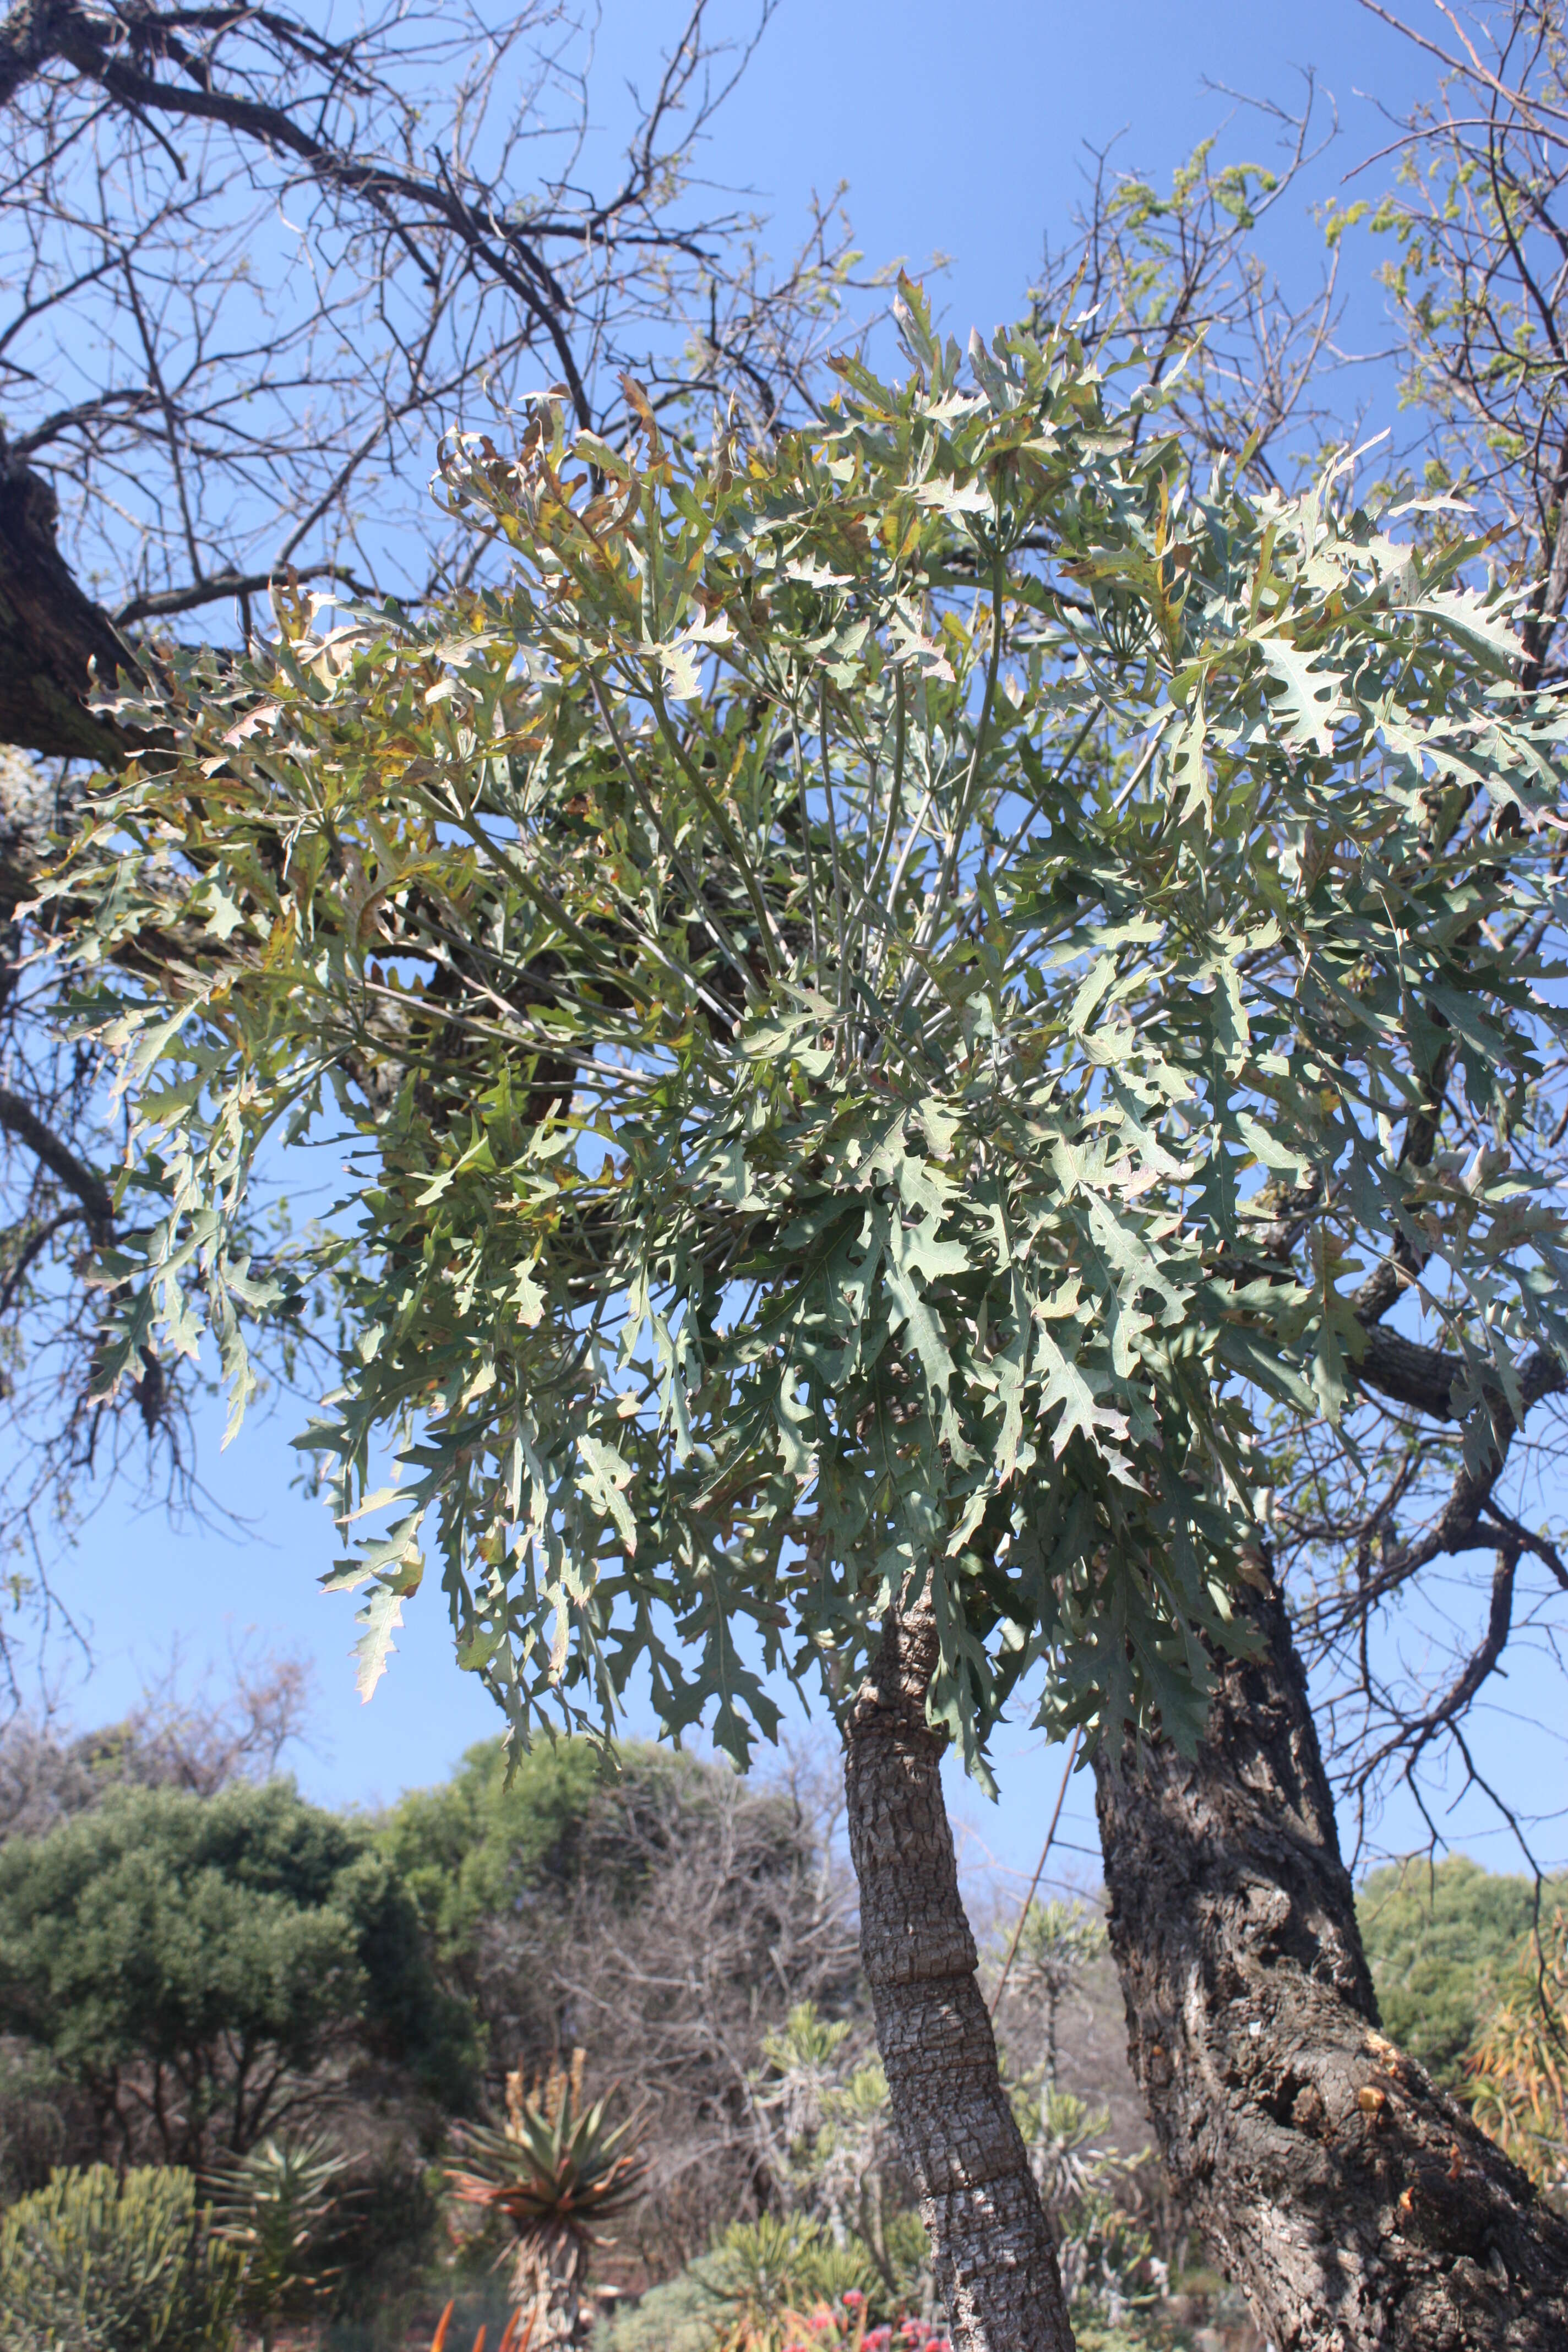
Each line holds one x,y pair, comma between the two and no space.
1140,770
1037,806
708,914
895,794
805,853
859,923
904,856
768,929
833,843
543,896
961,818
558,915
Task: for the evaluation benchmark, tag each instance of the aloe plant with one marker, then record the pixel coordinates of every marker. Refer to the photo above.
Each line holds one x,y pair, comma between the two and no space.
552,2175
276,2206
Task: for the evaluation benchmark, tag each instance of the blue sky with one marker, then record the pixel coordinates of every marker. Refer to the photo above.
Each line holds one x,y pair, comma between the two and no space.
964,131
960,132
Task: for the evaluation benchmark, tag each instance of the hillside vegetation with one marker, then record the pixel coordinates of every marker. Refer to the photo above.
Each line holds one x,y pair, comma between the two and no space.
320,2021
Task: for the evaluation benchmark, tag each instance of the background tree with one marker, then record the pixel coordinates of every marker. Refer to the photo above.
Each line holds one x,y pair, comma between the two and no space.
665,1908
821,2101
1476,217
184,1733
1177,276
181,1734
1441,1941
1518,2069
208,1970
395,238
1220,1926
1476,291
660,1913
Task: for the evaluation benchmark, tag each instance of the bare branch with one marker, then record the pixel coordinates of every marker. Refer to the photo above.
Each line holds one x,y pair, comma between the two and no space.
17,1118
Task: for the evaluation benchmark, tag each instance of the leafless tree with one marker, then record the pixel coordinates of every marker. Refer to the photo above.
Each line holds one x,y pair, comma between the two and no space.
1380,1542
1377,1540
1476,219
1173,283
181,1734
257,270
1312,2154
702,1910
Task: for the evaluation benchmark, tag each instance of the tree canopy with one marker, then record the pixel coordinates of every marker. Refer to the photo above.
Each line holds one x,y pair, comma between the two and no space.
251,267
842,989
191,1961
1442,1940
498,1834
879,995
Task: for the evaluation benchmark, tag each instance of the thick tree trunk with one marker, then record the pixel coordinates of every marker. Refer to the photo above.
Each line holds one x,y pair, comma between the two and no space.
1355,2205
52,637
995,2264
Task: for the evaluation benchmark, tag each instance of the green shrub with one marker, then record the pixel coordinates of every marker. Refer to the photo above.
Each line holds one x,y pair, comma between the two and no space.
906,2259
1139,2332
387,2253
759,2270
681,2315
95,2265
1440,1941
742,2291
38,2120
149,1939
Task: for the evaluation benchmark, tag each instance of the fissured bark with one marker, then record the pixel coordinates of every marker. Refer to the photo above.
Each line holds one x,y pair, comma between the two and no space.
1355,2205
995,2263
52,638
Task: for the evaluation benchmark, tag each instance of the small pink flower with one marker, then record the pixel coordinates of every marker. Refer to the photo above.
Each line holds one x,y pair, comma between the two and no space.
853,2298
820,2322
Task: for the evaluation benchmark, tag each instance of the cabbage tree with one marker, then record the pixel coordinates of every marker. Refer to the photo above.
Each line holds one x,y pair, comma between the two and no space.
823,992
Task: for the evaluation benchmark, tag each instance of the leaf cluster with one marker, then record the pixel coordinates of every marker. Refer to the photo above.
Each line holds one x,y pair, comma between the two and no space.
841,988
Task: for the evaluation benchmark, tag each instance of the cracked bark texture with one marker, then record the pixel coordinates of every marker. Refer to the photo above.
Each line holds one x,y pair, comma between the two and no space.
995,2264
1355,2205
55,643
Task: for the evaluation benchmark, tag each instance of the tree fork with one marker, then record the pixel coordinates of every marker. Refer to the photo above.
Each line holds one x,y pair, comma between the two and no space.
995,2263
1355,2205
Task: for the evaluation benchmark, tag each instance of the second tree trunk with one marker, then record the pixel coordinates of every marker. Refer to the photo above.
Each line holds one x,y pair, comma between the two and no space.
1356,2206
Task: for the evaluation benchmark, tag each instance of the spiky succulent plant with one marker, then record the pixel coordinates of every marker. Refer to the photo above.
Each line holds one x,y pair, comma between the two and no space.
556,2170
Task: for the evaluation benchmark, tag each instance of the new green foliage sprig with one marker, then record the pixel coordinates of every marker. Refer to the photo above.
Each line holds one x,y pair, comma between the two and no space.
848,990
